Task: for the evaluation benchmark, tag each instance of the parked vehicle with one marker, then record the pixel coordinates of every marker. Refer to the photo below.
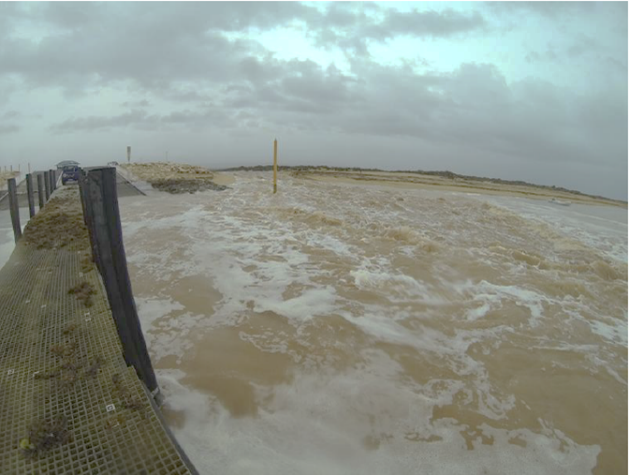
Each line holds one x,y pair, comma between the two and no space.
70,174
66,164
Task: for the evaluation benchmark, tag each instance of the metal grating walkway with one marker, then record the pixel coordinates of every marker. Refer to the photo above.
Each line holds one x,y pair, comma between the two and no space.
61,364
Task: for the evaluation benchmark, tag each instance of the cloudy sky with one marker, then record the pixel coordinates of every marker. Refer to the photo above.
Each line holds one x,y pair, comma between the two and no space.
531,91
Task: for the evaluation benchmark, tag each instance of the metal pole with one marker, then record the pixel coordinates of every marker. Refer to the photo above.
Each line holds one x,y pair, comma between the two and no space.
128,153
275,166
41,190
47,184
15,209
29,193
102,201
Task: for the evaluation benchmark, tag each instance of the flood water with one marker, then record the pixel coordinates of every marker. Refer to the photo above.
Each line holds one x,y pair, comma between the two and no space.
362,329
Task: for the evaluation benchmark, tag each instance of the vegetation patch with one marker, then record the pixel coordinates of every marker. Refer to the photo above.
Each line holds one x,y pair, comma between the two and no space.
72,366
87,262
83,293
175,178
45,435
121,392
185,185
59,225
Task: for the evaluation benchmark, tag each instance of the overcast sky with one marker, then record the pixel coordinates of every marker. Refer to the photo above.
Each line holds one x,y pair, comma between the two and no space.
530,91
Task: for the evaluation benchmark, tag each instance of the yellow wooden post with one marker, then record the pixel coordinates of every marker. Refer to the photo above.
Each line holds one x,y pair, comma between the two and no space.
275,166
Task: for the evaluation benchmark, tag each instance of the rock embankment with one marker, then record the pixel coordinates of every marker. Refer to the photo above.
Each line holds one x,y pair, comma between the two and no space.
175,178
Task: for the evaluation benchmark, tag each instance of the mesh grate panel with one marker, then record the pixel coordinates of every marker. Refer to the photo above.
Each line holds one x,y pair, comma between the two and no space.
61,360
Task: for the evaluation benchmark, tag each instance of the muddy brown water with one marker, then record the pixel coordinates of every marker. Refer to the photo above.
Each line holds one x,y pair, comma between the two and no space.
356,328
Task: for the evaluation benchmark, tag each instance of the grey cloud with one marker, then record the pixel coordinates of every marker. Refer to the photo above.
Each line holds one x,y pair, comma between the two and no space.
616,65
173,42
8,128
136,104
7,122
70,15
178,55
144,121
96,123
183,95
12,114
430,24
547,9
155,48
472,108
350,29
581,45
173,19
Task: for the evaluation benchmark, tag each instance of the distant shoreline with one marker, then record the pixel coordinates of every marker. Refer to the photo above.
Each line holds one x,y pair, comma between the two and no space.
456,179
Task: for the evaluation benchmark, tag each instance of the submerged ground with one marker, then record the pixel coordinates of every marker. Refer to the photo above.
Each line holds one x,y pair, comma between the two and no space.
352,327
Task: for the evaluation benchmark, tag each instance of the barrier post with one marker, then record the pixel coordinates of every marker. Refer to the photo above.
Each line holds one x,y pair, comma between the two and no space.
29,193
47,184
15,209
41,190
275,166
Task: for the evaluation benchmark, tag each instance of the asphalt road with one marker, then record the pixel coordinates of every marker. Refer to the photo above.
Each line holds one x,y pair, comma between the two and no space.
124,189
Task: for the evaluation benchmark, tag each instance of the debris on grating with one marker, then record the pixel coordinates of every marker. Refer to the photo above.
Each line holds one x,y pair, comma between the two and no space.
94,368
87,263
115,421
121,392
72,366
64,350
59,224
45,435
69,328
83,292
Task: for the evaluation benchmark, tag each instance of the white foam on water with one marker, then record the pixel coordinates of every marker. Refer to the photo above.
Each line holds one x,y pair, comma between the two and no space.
304,266
152,309
598,227
524,297
614,331
392,285
311,303
358,422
